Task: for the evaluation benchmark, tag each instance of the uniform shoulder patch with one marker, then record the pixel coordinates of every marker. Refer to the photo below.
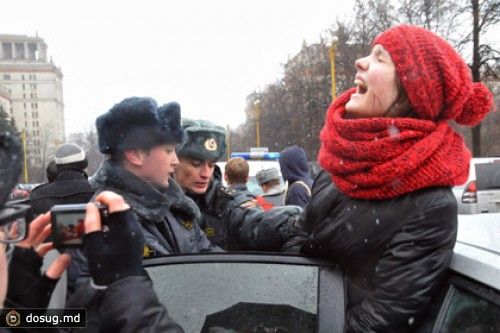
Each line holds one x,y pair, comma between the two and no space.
249,204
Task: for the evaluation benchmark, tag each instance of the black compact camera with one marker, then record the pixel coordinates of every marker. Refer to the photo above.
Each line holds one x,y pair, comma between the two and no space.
68,223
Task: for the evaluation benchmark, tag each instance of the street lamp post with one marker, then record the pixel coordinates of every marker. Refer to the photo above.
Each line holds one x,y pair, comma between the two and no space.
257,121
332,51
23,138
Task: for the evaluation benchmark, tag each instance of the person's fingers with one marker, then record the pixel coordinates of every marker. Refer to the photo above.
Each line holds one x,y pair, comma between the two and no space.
36,227
115,202
38,239
58,267
92,219
44,248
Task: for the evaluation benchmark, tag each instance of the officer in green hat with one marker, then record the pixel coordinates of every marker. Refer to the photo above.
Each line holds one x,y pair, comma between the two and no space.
231,219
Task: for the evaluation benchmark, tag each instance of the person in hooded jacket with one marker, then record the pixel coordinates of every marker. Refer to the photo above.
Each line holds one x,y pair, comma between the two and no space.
383,208
295,172
230,218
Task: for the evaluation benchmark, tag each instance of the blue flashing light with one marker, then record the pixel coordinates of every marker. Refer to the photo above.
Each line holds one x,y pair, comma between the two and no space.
257,155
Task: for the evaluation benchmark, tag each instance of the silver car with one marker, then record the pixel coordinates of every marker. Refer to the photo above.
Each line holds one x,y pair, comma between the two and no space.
481,192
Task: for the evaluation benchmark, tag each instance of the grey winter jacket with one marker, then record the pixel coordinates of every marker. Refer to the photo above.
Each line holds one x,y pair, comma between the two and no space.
167,218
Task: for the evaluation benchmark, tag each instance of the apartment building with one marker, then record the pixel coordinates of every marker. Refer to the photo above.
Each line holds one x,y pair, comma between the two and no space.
32,93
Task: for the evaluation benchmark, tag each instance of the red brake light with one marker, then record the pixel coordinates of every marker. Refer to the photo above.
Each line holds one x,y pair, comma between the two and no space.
472,186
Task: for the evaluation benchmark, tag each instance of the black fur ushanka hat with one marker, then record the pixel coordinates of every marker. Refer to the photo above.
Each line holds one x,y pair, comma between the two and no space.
137,122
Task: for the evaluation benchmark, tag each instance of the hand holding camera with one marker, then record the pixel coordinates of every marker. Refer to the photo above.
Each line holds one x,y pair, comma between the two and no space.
115,251
28,287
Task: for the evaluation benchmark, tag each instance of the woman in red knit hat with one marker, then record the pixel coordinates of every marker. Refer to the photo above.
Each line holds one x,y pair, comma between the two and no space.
384,208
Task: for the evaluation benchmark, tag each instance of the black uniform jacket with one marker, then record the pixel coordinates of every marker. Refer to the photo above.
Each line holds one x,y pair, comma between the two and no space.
233,219
167,218
394,252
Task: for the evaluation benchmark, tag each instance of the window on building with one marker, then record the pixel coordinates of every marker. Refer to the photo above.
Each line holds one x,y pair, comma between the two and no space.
24,86
33,86
7,50
32,51
20,54
6,76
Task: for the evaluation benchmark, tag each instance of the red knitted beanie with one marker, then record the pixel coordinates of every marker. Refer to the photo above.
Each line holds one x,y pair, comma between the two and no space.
437,80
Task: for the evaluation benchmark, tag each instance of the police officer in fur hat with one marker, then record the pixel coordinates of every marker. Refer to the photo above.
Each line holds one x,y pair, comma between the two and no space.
139,140
230,219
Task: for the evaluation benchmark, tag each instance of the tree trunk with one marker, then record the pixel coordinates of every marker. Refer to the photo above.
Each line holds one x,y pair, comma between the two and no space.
476,76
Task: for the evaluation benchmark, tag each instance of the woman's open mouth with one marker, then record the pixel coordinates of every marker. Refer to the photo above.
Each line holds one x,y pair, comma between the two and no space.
360,87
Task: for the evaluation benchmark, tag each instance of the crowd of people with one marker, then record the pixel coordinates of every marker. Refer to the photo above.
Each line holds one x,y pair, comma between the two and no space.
381,206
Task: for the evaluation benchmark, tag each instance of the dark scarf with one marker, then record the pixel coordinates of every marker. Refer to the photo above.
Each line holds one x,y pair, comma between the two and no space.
380,158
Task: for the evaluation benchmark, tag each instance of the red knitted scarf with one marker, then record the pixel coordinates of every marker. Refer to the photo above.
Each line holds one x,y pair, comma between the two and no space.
380,158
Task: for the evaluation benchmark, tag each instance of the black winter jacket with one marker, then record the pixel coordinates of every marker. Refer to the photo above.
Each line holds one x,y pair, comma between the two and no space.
394,252
127,305
234,221
69,187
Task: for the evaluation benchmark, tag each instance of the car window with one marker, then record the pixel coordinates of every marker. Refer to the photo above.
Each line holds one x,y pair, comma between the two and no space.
470,313
239,295
249,292
487,176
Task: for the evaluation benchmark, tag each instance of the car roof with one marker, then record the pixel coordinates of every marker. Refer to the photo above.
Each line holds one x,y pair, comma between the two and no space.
477,250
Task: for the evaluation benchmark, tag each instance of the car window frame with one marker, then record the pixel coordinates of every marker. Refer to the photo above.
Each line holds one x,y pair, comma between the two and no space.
435,317
331,296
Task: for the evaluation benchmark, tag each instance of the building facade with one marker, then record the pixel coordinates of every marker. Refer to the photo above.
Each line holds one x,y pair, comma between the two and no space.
36,94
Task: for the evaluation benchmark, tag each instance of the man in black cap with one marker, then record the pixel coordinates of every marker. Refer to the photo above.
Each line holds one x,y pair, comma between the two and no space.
139,140
234,222
70,184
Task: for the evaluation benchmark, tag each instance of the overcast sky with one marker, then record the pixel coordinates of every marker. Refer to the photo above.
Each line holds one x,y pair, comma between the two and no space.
208,55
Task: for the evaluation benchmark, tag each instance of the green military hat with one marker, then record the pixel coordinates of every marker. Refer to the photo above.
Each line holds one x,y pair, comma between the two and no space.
204,140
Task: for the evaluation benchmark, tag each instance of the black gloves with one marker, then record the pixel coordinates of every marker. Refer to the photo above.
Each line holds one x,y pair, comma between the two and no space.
27,287
116,252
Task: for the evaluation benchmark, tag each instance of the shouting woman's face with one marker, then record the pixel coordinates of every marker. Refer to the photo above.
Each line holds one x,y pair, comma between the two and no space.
377,86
